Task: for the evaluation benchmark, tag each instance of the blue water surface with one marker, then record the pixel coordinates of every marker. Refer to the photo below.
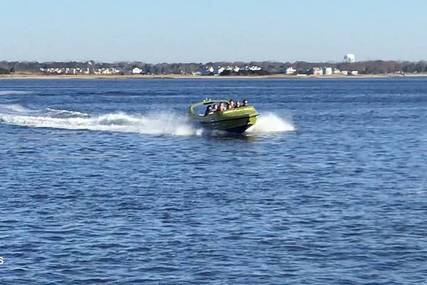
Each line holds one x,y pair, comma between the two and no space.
104,181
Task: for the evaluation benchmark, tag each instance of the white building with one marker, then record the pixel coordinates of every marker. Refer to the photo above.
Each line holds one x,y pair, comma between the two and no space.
349,58
317,71
255,68
328,71
251,68
290,70
136,70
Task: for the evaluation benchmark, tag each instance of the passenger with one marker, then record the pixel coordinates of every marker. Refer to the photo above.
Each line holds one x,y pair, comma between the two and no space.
231,104
222,107
208,110
245,102
215,108
238,104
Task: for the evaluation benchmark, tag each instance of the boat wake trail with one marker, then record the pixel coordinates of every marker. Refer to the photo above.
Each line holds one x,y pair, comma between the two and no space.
152,124
270,123
158,124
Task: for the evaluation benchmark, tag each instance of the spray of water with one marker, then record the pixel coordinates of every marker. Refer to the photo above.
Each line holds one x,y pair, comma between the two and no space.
158,124
153,124
270,123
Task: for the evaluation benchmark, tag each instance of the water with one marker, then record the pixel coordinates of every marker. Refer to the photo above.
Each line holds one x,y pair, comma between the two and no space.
106,182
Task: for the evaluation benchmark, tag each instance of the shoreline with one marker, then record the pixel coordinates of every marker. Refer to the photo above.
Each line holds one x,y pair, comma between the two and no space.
197,77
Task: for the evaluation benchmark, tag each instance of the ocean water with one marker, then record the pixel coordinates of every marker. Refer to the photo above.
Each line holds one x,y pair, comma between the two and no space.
106,182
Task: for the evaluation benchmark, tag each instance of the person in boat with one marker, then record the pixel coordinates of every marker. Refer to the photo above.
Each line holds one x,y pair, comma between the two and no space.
214,108
231,104
238,104
208,110
245,103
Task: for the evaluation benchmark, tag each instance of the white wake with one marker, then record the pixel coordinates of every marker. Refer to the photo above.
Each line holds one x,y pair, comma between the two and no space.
271,123
153,124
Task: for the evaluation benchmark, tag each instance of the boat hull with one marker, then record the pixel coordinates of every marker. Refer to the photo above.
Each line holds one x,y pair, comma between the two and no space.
234,125
236,120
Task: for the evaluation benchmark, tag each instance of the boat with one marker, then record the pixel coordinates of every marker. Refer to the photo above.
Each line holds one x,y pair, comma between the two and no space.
234,120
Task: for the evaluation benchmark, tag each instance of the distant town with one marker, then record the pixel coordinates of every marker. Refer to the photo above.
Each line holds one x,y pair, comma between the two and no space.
347,67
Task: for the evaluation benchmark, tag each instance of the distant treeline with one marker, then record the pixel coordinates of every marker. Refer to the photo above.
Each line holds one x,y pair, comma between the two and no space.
363,67
268,67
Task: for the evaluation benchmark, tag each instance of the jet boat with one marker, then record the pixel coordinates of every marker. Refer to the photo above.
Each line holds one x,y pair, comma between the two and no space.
235,120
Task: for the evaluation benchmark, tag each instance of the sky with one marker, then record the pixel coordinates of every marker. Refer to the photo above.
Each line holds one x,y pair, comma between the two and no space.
206,30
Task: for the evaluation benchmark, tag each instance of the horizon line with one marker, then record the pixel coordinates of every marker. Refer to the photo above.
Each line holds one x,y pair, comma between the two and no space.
208,62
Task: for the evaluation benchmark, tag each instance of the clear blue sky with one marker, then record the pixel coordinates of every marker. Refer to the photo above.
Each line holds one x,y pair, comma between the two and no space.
207,30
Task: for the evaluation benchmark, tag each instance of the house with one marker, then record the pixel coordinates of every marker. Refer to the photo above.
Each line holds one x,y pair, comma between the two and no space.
316,71
328,71
136,70
290,70
255,68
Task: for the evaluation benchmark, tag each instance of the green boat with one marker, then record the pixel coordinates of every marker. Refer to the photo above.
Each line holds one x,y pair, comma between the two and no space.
235,120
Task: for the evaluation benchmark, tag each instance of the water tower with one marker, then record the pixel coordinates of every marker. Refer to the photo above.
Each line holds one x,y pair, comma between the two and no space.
349,58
